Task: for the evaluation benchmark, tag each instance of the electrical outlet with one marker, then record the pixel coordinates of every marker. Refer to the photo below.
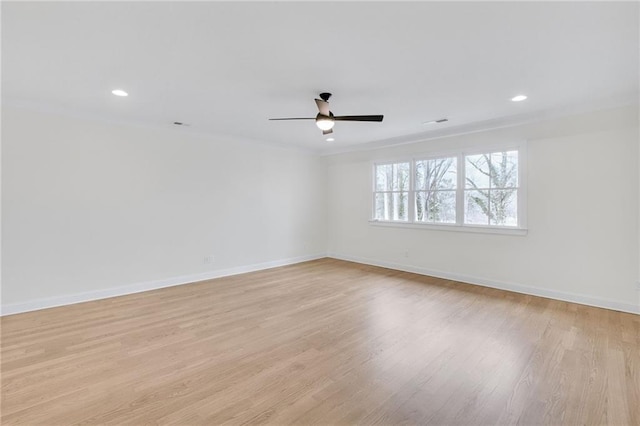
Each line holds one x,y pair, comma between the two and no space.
406,253
209,259
638,285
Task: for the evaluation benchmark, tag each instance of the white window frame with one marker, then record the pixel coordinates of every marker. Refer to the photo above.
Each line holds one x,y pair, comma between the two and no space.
460,226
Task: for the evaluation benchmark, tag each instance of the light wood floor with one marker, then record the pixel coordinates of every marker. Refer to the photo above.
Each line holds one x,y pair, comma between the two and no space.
323,342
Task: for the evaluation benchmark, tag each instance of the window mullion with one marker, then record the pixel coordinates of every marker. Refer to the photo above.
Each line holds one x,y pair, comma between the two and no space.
489,192
460,190
411,195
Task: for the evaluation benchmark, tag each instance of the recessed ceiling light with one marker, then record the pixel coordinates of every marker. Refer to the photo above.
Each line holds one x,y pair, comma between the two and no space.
330,139
519,98
119,92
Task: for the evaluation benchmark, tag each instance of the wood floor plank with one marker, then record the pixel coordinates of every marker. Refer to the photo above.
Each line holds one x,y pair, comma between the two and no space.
321,342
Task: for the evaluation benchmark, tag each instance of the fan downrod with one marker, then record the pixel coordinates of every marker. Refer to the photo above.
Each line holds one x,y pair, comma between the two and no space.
325,96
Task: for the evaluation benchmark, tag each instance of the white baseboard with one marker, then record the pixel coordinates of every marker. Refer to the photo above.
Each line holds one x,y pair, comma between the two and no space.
69,299
51,302
517,288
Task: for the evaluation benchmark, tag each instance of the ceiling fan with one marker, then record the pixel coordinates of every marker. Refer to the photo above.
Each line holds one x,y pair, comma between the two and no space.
325,118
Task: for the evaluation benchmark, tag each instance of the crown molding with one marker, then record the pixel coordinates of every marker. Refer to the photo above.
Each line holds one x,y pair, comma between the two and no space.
619,101
179,130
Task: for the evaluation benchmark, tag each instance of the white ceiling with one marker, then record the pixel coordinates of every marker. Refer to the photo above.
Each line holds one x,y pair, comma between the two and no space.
225,68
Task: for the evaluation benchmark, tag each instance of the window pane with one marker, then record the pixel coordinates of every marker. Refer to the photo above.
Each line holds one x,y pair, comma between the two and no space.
445,173
477,171
442,207
504,207
504,169
421,206
400,206
392,206
436,207
384,177
439,173
476,207
382,206
421,175
401,176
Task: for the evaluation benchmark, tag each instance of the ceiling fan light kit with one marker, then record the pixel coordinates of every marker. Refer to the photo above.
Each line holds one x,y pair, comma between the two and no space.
325,120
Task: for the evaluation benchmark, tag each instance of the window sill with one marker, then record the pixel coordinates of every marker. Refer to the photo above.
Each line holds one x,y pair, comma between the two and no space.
478,229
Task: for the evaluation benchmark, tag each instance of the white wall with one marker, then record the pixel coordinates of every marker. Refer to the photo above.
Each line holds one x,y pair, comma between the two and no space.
582,242
93,209
88,207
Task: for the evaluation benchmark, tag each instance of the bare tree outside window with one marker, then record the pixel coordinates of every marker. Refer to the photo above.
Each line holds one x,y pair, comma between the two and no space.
436,190
392,191
456,189
491,189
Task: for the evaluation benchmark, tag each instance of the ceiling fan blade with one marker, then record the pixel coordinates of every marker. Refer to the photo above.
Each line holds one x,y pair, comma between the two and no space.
299,118
326,132
359,118
323,107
